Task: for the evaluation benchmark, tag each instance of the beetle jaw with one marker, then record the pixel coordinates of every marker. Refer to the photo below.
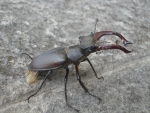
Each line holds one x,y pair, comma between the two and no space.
126,42
112,46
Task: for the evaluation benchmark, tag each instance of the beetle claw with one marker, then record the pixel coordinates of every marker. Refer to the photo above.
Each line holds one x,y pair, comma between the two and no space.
126,42
100,78
28,99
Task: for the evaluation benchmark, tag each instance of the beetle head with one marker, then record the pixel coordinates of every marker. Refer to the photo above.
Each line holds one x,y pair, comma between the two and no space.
87,43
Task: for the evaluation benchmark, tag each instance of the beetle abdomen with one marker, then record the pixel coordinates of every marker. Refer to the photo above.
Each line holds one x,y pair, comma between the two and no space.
51,59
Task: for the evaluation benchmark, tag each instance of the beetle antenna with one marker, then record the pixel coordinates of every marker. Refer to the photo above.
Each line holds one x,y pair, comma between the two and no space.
95,25
27,55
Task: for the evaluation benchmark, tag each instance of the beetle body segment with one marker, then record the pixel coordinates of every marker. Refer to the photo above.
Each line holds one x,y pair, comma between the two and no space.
74,54
49,60
61,56
57,58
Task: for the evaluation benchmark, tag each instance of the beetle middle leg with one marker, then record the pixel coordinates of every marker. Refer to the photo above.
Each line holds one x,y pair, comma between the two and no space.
40,85
83,86
65,80
93,69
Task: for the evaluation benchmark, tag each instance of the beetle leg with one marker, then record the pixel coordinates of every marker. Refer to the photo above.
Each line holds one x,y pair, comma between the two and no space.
93,69
65,80
40,86
26,54
83,86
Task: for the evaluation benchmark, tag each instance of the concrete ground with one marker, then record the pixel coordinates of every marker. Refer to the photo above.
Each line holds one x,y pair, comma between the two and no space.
36,26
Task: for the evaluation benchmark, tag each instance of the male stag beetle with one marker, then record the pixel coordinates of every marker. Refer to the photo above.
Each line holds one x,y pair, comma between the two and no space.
61,57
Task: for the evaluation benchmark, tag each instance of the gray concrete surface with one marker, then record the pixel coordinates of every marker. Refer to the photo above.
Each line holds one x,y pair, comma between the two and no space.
35,26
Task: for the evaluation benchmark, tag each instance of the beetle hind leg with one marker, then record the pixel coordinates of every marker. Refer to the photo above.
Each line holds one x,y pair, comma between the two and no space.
83,86
65,80
40,86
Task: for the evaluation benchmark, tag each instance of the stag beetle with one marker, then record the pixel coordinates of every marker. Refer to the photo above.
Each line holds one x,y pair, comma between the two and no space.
61,57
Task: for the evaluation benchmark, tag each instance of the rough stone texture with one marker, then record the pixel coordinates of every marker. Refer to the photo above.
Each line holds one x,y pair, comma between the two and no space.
35,26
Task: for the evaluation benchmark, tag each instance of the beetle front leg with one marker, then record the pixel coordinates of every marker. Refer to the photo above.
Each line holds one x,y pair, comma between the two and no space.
93,69
65,80
83,86
40,86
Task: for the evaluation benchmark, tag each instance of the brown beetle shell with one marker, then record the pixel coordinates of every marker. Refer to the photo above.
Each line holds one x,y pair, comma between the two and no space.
49,60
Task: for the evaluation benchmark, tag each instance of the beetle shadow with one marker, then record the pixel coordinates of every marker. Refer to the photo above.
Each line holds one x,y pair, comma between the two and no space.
42,75
55,74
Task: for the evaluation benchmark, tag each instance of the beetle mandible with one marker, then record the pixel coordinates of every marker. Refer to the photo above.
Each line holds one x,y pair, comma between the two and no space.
61,57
